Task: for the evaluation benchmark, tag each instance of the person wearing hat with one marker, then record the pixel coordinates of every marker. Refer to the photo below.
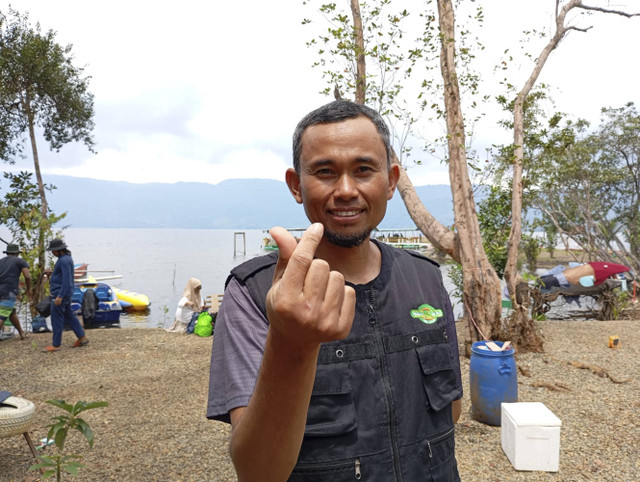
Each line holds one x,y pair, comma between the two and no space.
11,267
61,286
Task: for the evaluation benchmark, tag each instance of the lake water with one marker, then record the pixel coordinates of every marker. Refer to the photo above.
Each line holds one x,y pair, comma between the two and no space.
158,262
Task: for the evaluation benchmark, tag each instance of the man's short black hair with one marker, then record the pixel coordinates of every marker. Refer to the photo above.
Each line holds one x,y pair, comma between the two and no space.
337,111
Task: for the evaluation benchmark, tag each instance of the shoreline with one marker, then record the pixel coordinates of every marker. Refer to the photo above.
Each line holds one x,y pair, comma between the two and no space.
156,385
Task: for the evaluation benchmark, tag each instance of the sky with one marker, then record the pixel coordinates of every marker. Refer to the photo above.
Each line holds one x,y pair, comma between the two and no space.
198,91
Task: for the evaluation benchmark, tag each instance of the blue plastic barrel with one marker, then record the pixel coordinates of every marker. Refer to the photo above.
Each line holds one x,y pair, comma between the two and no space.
493,379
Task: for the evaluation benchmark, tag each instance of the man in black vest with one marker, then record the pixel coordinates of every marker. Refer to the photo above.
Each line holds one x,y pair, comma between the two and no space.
11,267
338,359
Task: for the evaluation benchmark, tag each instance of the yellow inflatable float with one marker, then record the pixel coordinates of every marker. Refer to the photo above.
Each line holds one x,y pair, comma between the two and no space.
130,300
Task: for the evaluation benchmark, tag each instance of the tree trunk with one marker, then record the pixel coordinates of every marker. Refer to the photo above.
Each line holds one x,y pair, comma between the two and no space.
481,286
43,197
36,161
520,323
361,74
441,237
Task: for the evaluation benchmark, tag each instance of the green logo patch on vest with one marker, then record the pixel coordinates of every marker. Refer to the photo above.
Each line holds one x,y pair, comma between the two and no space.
426,313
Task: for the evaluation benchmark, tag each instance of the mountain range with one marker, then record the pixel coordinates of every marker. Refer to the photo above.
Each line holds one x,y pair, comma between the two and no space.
230,204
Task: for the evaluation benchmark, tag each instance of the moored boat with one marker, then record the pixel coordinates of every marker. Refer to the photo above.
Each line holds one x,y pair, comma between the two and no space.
130,300
96,302
80,270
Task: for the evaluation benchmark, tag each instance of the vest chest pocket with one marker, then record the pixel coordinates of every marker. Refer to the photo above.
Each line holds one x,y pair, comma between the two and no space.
438,377
331,411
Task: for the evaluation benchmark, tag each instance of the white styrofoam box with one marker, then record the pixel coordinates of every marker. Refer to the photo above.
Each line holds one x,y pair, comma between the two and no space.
530,436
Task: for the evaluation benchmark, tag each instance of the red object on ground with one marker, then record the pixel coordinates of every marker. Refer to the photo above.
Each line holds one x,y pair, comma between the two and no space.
602,270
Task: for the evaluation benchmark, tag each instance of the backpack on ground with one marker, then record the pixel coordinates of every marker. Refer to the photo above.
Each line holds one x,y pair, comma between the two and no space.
204,324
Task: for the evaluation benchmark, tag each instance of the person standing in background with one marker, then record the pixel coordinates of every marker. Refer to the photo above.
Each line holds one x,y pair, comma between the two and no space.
61,286
11,267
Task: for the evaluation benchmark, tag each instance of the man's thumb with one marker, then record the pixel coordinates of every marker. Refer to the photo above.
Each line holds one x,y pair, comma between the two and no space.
286,245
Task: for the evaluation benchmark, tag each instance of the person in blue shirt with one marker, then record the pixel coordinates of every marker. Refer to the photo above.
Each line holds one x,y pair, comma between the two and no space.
61,286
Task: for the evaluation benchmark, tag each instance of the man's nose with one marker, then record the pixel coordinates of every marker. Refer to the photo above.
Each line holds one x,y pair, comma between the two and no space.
346,187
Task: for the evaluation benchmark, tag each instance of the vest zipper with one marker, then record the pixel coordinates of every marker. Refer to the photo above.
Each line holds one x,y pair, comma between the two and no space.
314,470
442,436
386,382
438,439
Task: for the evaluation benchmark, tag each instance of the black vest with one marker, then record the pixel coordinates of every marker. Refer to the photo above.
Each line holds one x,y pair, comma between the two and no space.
381,403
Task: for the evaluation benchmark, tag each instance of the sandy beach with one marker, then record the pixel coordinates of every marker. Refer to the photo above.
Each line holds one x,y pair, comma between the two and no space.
155,382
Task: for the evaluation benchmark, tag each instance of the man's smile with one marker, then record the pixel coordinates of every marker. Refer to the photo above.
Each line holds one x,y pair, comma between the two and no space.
345,214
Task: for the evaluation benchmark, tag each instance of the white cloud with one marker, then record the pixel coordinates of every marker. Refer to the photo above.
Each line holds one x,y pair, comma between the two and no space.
212,90
140,164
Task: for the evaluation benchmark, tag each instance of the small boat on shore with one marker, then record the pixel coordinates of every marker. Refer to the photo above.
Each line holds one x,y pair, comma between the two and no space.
96,303
80,270
128,300
583,275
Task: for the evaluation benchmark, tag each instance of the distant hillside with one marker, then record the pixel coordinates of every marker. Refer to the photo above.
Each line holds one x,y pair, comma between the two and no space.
231,204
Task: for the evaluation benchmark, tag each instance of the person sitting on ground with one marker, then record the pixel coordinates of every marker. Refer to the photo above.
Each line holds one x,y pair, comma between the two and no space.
61,285
189,305
11,267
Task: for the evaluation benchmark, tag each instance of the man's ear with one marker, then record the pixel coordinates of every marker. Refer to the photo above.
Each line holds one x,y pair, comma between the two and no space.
293,181
394,175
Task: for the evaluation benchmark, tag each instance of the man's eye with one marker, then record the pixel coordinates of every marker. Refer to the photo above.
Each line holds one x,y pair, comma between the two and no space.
323,172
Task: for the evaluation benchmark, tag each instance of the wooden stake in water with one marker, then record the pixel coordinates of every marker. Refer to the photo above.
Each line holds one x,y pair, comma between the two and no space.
244,243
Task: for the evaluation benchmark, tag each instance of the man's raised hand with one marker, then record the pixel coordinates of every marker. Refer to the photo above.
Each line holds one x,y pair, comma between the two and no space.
308,304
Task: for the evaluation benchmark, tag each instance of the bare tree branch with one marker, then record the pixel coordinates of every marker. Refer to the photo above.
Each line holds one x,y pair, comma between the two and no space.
578,29
608,10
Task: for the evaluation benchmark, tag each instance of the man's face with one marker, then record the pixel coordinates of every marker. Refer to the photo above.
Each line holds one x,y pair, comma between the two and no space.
344,182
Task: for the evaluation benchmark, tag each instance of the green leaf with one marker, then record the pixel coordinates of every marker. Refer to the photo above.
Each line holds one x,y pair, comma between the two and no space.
80,407
61,404
60,437
83,427
72,466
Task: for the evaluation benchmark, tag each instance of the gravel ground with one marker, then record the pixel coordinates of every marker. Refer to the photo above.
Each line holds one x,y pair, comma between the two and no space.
156,386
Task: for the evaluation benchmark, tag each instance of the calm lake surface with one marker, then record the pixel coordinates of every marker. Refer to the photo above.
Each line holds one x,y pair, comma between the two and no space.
158,262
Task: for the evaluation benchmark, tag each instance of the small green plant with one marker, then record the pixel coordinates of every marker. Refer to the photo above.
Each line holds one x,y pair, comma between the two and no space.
165,310
531,247
528,277
538,316
57,463
621,301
